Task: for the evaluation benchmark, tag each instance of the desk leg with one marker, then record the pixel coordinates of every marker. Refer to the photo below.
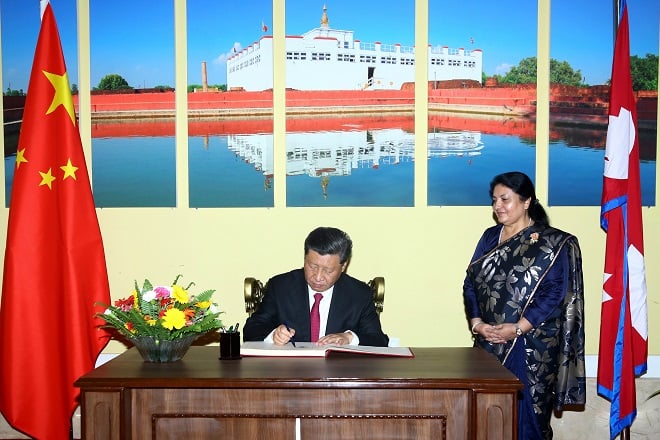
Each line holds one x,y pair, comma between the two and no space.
101,415
495,417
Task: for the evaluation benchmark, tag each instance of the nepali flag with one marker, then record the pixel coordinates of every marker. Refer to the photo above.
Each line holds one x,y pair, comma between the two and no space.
624,327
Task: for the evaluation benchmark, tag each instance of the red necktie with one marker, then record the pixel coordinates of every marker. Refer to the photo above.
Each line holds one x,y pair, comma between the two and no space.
315,317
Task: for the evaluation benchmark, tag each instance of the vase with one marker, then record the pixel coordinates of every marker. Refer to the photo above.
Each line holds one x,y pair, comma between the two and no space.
163,350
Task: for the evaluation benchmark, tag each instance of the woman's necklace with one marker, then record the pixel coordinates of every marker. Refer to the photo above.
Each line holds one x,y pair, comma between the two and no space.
499,240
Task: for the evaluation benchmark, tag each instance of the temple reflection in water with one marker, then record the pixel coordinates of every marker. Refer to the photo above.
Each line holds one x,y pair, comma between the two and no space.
337,153
343,161
359,157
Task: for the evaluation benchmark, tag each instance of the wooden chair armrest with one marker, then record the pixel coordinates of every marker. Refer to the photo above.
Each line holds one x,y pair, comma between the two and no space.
378,287
253,290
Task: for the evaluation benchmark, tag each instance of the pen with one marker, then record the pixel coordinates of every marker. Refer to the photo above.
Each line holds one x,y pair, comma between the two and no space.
293,338
236,328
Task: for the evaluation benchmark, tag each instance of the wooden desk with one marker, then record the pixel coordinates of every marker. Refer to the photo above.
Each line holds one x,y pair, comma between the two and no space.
442,393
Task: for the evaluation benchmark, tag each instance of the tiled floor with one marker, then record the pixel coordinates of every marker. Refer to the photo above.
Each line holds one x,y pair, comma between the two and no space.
593,422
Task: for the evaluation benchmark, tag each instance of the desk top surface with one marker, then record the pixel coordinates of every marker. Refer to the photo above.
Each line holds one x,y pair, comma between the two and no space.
438,367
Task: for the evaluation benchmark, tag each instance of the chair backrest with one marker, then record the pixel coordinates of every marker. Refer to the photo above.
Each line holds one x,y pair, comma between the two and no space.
253,291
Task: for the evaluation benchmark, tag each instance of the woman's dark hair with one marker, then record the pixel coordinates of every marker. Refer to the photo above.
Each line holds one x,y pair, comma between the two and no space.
330,241
522,185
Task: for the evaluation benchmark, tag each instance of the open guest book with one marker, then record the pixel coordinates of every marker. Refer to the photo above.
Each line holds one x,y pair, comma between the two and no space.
309,349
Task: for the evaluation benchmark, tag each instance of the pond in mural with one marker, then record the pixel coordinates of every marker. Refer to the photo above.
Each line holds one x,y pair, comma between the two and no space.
576,160
362,161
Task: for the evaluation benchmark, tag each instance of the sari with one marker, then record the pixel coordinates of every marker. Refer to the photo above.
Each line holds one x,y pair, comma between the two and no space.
536,274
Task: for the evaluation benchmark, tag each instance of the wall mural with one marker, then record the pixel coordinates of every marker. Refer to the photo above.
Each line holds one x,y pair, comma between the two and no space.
349,72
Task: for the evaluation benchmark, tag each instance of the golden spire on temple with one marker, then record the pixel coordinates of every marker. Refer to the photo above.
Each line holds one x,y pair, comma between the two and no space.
324,18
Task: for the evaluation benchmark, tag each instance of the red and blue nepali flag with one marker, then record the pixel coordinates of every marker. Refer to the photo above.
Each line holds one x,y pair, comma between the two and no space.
624,326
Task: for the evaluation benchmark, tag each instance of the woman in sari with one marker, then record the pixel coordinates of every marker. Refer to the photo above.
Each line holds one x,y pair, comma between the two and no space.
524,299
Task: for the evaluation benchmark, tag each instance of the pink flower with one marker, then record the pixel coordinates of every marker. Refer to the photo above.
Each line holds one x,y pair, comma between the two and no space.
534,237
162,292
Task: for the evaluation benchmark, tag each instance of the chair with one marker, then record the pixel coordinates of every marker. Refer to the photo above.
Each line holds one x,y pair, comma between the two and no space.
253,290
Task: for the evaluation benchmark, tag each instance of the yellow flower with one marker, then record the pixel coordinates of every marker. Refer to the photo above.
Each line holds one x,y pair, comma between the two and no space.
180,294
134,293
174,319
151,322
203,304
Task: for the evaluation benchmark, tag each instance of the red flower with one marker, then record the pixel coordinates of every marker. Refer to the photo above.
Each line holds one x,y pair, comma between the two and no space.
125,304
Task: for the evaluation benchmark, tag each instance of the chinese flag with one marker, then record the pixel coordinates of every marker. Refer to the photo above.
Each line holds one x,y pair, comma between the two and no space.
55,268
624,327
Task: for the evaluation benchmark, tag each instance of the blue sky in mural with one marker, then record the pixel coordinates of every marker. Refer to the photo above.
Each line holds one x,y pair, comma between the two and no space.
504,30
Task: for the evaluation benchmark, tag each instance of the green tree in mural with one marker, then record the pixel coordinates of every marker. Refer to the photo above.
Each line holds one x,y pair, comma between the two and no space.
164,88
11,92
113,81
562,73
525,73
644,72
198,87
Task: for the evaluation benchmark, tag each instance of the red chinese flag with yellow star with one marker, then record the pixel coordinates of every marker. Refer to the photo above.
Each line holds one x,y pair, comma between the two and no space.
55,269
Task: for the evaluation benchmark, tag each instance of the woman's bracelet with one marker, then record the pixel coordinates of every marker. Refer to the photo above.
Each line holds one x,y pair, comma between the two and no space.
474,327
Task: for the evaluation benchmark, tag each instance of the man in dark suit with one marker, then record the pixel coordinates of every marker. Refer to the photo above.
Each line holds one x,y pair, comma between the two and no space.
346,312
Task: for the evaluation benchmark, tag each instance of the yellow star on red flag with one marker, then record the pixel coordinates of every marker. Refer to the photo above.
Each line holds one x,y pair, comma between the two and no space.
69,170
20,157
47,178
62,94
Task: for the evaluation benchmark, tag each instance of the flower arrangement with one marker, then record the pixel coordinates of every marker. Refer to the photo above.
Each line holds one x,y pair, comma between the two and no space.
163,312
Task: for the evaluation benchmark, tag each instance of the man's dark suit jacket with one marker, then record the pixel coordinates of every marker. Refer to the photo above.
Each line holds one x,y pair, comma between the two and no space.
287,300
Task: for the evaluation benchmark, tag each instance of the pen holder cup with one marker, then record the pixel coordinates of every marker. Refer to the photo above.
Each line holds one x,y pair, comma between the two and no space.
230,345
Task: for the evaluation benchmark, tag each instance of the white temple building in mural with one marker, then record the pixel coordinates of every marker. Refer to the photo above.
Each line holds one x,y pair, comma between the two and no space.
332,59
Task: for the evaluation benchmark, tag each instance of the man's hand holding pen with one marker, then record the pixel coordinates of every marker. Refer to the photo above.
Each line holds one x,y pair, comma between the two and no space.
284,334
